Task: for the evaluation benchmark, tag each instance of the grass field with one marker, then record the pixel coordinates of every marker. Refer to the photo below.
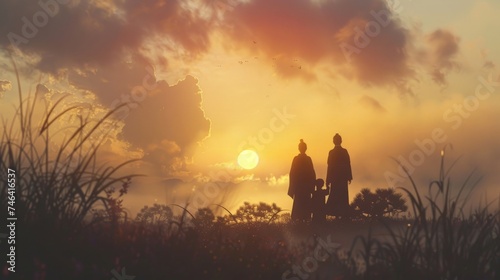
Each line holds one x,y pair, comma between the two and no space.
335,250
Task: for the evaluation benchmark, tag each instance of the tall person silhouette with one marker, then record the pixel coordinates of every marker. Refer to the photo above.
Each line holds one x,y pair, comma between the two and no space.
338,175
302,180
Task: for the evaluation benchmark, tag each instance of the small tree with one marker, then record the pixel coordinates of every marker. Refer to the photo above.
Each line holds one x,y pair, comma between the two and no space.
204,217
154,215
379,203
261,212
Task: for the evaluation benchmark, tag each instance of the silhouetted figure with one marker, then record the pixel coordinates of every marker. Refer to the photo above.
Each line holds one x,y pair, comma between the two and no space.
318,202
338,175
302,178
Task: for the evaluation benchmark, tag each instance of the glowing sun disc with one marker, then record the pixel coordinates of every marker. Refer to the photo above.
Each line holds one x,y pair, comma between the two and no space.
248,159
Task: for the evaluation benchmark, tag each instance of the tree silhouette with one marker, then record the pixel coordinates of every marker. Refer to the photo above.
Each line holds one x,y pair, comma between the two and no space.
204,217
379,203
154,215
261,212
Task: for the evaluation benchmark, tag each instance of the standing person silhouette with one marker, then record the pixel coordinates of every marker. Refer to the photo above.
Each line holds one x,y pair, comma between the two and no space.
338,175
302,180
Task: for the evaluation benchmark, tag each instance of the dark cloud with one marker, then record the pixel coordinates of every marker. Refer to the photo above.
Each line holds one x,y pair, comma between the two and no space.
314,32
362,40
168,123
78,34
114,82
442,50
165,121
169,112
83,33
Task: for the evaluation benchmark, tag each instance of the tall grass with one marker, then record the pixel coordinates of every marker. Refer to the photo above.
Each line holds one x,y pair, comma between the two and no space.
58,182
441,241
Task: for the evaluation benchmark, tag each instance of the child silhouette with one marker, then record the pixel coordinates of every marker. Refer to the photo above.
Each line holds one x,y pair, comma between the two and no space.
318,202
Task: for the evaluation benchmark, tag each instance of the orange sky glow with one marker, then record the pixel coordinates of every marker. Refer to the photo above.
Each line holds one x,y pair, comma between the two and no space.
399,80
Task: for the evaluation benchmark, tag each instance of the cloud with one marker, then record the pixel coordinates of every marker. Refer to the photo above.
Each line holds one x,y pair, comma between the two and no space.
114,82
168,124
282,180
488,63
361,40
170,112
165,121
246,177
442,48
315,32
84,33
197,194
372,103
4,87
102,48
78,34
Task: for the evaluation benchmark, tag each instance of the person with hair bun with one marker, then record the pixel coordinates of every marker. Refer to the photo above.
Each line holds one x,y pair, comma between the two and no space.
302,181
338,176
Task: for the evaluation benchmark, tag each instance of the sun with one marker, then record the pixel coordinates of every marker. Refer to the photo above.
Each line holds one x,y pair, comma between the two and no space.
248,159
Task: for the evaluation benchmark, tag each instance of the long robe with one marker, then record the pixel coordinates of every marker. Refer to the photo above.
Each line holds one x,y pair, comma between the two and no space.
338,174
302,179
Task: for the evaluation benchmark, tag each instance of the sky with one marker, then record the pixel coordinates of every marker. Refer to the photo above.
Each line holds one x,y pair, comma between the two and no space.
399,80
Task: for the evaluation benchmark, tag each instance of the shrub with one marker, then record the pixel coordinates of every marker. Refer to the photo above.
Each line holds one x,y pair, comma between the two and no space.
261,212
382,202
154,215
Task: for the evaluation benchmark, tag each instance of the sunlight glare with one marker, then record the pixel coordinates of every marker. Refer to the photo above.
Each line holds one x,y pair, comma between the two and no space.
248,159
